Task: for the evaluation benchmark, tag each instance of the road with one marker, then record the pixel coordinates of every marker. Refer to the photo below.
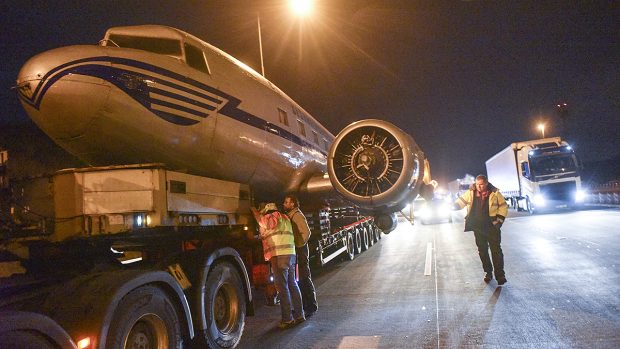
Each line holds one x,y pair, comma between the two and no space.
563,290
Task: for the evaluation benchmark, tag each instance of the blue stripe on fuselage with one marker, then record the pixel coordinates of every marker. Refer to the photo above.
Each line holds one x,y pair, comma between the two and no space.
134,84
182,98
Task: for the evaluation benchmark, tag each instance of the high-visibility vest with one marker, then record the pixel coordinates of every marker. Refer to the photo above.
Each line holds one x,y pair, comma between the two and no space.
276,232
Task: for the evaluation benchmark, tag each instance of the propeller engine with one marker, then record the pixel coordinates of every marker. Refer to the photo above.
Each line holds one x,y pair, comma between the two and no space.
379,167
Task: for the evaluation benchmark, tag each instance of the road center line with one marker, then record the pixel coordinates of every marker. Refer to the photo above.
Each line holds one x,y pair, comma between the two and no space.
436,290
429,259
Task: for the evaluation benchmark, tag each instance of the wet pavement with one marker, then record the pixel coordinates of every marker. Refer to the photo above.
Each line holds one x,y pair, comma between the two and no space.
421,287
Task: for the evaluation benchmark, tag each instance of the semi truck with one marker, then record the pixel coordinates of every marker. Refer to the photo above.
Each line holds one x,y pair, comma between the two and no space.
537,174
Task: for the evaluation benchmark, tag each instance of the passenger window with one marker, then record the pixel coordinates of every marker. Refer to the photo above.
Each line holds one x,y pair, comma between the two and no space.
302,128
283,117
315,137
195,58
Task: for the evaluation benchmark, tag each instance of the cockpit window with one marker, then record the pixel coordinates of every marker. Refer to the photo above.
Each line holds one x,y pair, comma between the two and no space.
195,58
162,46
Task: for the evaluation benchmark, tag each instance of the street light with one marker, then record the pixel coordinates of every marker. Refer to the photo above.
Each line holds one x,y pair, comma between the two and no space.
300,7
541,127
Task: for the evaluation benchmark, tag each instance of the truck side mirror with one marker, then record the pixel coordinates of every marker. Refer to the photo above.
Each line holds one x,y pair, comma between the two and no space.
525,169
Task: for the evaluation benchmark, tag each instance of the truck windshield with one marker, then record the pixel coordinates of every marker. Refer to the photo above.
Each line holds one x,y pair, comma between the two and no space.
170,47
552,165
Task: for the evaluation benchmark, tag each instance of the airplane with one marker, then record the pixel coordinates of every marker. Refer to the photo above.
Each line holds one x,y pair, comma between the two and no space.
155,94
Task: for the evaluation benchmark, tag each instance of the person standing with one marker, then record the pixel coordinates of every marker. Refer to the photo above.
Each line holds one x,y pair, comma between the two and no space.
486,212
302,234
279,249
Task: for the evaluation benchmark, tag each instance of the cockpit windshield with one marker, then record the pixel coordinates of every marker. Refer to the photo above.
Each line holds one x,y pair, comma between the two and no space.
552,165
170,47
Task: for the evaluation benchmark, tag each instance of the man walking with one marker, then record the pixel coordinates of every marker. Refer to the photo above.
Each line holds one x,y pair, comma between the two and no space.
486,212
302,234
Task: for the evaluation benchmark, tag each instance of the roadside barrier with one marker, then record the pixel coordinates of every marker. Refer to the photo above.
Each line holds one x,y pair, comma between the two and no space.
605,194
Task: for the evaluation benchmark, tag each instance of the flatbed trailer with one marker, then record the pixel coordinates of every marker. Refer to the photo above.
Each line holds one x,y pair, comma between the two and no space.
114,256
134,254
341,231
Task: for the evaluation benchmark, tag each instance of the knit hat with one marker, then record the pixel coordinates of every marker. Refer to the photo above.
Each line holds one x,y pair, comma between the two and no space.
269,207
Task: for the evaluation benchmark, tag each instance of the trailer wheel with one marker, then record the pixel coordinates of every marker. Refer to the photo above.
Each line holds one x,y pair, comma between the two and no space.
377,232
370,234
25,339
145,318
529,207
350,246
223,306
365,238
358,241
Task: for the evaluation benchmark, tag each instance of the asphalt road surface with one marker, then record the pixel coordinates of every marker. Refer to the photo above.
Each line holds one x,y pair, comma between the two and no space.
421,287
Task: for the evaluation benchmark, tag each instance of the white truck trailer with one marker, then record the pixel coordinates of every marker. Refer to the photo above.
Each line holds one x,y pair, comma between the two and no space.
537,174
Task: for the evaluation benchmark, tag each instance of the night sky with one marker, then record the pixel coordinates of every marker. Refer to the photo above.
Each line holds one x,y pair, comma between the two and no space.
464,78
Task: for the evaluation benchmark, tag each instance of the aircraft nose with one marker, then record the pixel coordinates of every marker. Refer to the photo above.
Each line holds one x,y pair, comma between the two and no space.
59,91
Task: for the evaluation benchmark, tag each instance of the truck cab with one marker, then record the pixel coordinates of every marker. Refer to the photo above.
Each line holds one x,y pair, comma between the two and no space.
549,174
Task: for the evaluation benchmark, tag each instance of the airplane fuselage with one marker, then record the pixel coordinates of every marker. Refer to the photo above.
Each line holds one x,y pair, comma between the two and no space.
155,94
180,101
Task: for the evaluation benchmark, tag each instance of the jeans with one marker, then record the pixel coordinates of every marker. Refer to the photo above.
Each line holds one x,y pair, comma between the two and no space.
490,238
306,286
283,268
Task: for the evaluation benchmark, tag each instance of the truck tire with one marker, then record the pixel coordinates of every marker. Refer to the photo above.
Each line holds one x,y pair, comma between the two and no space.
350,246
358,241
26,340
145,318
365,238
371,235
26,330
223,306
529,208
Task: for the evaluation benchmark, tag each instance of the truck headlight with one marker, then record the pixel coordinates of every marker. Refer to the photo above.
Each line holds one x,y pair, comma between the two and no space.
580,195
539,200
426,212
445,210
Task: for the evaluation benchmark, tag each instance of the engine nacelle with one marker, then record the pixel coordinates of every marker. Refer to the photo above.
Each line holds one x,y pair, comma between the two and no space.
377,166
386,222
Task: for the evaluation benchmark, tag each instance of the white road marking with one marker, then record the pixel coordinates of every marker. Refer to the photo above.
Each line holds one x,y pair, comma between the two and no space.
429,259
436,290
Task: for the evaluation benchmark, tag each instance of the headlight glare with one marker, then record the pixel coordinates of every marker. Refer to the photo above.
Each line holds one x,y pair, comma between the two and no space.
539,200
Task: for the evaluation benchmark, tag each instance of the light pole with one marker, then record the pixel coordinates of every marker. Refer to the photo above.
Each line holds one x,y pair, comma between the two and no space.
260,45
541,127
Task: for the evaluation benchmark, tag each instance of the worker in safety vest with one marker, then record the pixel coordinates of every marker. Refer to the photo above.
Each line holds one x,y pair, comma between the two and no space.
276,233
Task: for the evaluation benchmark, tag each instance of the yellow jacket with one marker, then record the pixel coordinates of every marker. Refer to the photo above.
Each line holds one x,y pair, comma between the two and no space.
498,209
